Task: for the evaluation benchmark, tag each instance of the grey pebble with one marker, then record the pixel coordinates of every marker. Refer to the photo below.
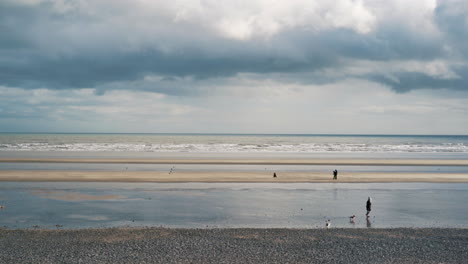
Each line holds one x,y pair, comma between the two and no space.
163,245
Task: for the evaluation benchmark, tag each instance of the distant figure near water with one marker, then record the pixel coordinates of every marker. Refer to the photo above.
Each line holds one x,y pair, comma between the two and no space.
335,175
368,206
274,174
172,170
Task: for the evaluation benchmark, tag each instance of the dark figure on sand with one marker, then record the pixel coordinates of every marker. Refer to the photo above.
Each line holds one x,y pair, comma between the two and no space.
368,206
335,175
274,174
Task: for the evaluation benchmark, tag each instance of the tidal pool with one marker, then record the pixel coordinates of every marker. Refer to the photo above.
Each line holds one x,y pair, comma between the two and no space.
262,205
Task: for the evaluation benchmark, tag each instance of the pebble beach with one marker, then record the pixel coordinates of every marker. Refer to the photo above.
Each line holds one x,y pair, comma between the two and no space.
162,245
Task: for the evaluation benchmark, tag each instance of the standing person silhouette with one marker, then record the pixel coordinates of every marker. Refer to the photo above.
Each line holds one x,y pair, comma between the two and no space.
335,175
368,206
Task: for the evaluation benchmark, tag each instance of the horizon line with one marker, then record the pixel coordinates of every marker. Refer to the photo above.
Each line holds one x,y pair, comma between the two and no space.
226,133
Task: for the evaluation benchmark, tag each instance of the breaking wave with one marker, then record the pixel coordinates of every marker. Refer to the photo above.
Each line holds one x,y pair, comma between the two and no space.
301,148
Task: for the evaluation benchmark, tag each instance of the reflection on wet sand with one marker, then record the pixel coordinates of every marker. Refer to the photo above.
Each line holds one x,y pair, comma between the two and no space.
199,205
89,217
74,196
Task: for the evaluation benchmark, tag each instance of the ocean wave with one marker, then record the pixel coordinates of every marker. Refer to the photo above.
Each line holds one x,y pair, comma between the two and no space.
293,148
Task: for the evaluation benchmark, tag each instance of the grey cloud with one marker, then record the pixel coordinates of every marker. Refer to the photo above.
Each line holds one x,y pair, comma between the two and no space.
15,22
389,42
85,71
31,53
33,38
21,110
405,81
452,19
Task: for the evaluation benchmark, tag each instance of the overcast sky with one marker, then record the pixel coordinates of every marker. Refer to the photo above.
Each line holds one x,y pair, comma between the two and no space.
222,66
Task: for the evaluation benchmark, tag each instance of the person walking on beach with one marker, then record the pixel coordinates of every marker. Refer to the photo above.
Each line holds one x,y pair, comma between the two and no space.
335,175
368,206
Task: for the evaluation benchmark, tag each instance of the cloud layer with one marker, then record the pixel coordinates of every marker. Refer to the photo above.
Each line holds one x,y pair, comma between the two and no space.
58,44
179,52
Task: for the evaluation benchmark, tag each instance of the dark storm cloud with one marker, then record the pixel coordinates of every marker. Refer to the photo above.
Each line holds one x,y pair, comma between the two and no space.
405,81
86,71
33,38
23,63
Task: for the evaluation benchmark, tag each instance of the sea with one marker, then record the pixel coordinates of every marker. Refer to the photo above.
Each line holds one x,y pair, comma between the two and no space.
235,143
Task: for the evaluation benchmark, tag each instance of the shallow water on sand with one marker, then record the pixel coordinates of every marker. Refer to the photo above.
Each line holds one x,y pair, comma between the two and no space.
229,168
199,205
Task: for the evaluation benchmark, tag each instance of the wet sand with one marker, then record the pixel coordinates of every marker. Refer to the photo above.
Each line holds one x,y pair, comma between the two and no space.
233,176
222,176
162,245
74,196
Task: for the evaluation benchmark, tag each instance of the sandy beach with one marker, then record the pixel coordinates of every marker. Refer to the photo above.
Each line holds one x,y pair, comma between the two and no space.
361,162
233,176
205,176
231,245
162,245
